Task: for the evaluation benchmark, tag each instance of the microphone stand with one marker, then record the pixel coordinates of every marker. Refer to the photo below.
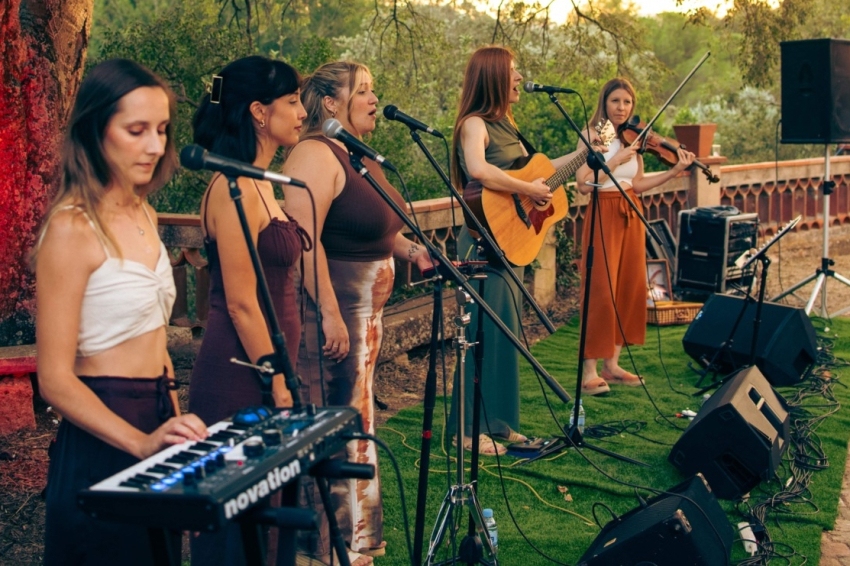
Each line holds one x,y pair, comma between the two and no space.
277,362
431,378
268,366
596,162
456,276
447,267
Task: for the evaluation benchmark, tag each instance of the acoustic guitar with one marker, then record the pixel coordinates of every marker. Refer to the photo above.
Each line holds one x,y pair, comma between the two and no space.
516,222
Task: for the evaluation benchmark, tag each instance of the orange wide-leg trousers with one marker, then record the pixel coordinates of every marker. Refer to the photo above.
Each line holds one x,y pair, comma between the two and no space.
617,309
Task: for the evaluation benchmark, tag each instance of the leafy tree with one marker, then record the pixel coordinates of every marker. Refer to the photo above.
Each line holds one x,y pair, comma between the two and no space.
43,49
185,44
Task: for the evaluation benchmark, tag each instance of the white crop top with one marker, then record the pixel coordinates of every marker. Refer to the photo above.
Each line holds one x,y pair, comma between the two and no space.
625,173
124,299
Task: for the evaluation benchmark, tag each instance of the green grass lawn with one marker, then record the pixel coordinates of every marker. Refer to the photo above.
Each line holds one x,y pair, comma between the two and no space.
535,493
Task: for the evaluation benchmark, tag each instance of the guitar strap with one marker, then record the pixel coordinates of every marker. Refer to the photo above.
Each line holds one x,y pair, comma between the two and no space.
526,144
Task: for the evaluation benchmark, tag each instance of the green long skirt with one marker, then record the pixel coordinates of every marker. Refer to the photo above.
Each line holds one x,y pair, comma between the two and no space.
500,371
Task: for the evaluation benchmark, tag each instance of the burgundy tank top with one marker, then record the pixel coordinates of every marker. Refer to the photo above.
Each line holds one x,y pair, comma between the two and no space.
360,225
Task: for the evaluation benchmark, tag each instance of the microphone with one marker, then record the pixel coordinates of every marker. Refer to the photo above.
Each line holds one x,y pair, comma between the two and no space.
392,112
333,129
195,157
531,86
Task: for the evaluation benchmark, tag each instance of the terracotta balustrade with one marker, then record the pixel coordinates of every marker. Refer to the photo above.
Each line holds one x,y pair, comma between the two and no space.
777,192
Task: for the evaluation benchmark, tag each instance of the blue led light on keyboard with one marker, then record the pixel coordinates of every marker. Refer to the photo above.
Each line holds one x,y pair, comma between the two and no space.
188,470
170,480
159,487
225,449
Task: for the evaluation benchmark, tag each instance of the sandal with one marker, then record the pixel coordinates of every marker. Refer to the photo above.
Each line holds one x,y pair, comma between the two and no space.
627,379
486,445
373,551
513,437
594,386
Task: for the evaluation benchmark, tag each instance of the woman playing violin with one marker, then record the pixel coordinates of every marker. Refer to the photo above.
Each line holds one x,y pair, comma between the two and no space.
617,310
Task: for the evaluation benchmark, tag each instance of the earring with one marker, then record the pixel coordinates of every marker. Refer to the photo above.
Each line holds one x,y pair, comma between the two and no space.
333,113
263,123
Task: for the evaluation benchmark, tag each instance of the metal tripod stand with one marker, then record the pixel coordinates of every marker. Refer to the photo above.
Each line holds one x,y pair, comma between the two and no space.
475,549
825,270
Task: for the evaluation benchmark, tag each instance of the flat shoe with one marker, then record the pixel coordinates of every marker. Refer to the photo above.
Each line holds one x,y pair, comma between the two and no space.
627,379
595,386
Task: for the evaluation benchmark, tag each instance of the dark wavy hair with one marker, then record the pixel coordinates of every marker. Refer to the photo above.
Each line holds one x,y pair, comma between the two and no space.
227,127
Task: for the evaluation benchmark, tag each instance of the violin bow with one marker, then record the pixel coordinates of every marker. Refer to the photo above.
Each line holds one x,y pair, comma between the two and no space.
669,100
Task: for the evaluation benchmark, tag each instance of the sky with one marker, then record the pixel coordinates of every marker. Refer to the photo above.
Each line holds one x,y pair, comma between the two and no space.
560,8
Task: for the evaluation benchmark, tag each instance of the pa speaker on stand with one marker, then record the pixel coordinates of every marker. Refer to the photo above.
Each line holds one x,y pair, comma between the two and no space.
816,109
683,526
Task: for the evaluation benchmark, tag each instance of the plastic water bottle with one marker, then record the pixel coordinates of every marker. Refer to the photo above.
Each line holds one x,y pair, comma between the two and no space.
581,417
490,525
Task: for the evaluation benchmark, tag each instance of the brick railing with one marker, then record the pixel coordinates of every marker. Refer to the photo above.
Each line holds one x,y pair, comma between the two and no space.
777,192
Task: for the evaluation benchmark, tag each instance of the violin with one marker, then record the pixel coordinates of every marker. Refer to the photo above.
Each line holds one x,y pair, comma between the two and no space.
666,150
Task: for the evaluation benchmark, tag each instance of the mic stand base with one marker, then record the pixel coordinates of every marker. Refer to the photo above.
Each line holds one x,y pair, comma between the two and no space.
471,550
574,438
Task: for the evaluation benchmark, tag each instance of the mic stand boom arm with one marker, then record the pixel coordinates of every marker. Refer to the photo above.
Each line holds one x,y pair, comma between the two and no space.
460,280
483,231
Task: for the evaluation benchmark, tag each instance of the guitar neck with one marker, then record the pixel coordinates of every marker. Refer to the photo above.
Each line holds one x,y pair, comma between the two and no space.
564,173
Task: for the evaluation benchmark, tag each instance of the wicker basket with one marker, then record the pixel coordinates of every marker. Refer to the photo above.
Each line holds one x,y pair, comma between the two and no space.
669,313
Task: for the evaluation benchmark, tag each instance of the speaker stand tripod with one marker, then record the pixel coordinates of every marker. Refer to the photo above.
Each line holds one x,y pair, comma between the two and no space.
825,270
475,548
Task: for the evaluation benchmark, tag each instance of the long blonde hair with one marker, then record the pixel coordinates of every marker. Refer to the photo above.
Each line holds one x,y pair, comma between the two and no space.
486,93
85,171
328,80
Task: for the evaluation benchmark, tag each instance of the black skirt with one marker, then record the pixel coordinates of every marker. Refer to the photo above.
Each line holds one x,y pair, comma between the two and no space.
79,460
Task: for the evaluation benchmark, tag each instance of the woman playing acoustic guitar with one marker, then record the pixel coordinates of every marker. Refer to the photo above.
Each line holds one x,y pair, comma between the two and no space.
485,143
617,310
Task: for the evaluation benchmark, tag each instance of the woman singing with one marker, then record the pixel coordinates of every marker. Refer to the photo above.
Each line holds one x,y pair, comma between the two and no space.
617,310
487,141
357,237
104,296
254,109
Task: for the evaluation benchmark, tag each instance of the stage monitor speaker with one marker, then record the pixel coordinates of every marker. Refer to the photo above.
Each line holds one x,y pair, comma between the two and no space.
815,91
738,437
684,526
787,345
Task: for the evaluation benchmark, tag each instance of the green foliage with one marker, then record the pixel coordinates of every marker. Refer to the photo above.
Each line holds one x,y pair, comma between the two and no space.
185,44
314,52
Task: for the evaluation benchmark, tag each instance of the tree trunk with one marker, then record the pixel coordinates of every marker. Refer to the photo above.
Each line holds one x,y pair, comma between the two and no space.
42,52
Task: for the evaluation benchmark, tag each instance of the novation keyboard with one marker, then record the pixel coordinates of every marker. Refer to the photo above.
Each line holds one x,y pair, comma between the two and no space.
200,486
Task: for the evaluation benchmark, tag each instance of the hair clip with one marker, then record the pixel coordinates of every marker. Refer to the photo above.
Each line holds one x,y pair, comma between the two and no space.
215,90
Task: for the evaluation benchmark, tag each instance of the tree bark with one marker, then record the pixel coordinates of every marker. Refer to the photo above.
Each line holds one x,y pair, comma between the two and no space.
42,53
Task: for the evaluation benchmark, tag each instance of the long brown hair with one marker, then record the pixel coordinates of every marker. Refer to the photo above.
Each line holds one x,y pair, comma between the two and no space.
486,93
609,87
328,80
85,172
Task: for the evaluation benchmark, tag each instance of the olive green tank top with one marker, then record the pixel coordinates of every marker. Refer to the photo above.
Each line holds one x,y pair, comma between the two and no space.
504,148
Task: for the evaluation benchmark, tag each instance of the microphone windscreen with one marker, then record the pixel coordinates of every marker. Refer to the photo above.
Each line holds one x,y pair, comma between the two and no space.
389,111
331,127
192,157
529,86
